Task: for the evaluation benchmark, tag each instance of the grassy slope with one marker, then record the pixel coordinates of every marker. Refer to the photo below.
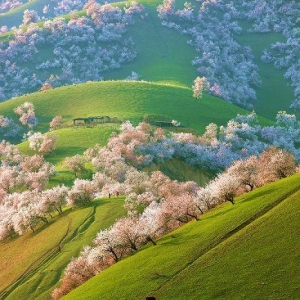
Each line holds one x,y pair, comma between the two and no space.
39,256
71,141
246,251
15,16
259,262
275,93
126,100
163,54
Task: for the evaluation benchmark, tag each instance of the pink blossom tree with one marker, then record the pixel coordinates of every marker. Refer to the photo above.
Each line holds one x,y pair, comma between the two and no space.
27,114
56,122
81,192
75,164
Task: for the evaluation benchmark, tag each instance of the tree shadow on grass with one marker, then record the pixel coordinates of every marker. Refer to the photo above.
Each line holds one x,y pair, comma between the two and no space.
256,195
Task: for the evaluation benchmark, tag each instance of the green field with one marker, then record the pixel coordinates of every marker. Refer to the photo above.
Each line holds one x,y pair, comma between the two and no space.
127,101
245,251
33,272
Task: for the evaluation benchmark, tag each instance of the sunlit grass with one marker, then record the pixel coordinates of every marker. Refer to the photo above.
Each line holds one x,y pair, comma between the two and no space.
231,251
79,228
126,101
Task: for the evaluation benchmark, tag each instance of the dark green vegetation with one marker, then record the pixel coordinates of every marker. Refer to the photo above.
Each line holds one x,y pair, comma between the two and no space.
33,272
246,251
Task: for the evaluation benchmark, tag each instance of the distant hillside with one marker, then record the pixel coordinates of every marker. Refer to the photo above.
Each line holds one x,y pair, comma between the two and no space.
127,101
33,264
247,250
163,54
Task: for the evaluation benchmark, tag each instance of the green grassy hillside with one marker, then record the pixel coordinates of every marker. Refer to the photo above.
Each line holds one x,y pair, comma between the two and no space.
275,93
33,272
163,54
127,101
245,251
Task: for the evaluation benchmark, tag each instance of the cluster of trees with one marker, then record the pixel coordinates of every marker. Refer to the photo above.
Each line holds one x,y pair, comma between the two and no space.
270,16
83,48
166,204
43,144
215,150
27,118
22,179
118,166
279,16
63,7
53,9
7,5
155,204
228,67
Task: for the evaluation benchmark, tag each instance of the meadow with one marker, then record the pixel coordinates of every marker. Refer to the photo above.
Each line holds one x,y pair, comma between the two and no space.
33,272
248,250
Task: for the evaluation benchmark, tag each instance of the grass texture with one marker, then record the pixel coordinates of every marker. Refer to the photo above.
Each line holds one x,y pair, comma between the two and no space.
245,251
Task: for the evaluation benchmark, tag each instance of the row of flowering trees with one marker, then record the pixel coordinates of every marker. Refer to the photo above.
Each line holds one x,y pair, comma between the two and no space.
80,49
8,5
52,9
215,150
166,203
118,167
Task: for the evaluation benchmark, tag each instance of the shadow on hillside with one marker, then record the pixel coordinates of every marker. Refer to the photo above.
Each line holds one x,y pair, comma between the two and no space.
60,153
255,194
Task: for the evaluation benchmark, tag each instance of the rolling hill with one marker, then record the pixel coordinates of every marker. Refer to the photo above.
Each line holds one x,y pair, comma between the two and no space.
127,101
33,272
246,251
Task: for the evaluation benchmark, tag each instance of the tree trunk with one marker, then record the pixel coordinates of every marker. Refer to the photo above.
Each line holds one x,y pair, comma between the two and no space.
230,199
149,239
193,216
